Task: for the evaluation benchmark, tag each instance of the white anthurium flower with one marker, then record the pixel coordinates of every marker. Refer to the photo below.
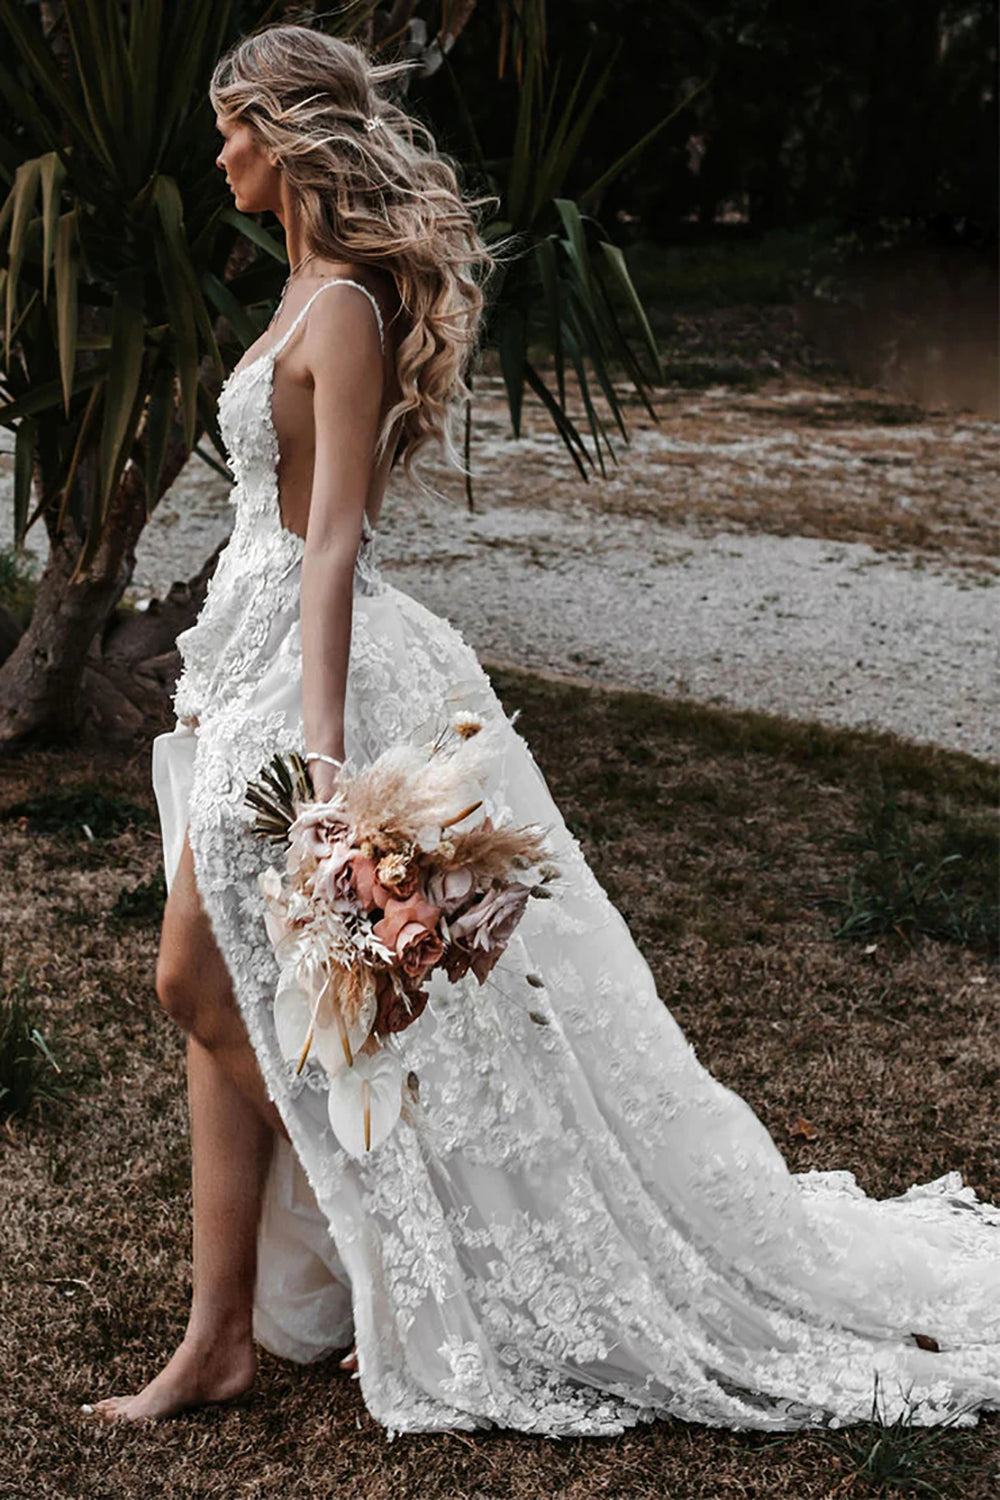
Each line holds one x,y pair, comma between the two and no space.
307,1011
373,1088
292,1010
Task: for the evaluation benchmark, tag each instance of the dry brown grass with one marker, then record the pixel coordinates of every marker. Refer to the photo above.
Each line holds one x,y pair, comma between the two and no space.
891,1055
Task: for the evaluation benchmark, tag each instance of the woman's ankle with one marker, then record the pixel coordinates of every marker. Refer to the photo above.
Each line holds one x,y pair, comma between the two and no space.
213,1331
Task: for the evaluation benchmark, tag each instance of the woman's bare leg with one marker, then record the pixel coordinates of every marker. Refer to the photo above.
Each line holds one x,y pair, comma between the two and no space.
230,1151
196,991
231,1144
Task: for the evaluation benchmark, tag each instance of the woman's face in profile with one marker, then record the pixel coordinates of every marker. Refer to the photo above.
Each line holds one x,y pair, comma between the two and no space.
253,181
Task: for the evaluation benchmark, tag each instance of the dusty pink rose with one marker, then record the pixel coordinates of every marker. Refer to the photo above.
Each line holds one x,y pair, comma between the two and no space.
370,891
450,888
332,876
314,834
484,930
409,928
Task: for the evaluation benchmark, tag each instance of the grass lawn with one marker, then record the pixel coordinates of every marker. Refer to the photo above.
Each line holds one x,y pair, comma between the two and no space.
728,841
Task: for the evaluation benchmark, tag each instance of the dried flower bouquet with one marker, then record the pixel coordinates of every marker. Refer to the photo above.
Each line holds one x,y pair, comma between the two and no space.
401,872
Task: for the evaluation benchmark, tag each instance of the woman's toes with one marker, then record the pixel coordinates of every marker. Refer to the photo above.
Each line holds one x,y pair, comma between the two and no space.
108,1409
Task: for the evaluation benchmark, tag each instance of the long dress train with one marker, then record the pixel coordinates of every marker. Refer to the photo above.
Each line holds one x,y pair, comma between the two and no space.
585,1230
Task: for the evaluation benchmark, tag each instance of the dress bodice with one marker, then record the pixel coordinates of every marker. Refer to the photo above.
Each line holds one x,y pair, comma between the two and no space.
252,601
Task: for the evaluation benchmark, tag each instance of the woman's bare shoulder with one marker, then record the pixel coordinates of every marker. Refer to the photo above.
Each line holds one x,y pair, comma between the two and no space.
376,279
334,319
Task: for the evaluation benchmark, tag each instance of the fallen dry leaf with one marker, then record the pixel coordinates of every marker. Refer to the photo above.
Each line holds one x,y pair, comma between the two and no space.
803,1130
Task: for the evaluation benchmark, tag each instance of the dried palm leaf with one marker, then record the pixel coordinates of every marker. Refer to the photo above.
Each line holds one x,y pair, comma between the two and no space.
282,784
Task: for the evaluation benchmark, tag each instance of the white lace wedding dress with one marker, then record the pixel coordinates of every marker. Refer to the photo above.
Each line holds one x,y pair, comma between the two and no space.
587,1231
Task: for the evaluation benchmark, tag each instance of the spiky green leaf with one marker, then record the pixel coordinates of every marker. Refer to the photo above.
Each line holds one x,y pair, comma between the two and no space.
591,194
124,373
252,231
575,445
160,408
512,344
47,395
67,267
221,296
23,198
548,274
52,174
615,259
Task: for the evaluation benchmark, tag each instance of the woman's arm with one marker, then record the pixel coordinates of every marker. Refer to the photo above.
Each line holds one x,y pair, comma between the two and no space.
343,356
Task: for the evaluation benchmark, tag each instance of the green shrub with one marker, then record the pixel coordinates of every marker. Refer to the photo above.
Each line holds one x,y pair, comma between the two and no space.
17,584
29,1073
80,811
937,878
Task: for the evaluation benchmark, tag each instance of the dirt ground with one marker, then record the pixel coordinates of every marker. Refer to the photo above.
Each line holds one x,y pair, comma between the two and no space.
792,457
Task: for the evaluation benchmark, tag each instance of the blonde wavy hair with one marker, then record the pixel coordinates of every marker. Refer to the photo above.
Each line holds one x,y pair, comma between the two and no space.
384,195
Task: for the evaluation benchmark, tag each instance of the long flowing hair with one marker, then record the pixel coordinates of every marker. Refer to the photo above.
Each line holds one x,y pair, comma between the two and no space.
384,195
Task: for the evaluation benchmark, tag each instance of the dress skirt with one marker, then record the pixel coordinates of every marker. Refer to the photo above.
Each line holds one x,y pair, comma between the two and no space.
584,1229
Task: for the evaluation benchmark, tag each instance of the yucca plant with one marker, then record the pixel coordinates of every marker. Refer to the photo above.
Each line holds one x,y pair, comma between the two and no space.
118,237
561,290
123,262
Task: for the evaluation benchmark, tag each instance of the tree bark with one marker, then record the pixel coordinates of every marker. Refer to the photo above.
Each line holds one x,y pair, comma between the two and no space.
133,665
41,681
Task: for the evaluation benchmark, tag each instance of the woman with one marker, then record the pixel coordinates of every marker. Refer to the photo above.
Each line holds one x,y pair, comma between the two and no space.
584,1230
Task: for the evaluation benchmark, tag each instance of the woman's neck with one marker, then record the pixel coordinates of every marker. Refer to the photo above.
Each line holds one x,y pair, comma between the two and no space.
296,243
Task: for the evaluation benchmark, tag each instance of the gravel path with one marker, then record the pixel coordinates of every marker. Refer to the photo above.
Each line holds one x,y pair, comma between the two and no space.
792,625
799,551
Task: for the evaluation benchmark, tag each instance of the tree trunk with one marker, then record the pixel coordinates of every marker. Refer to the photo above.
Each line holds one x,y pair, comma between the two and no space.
133,665
41,680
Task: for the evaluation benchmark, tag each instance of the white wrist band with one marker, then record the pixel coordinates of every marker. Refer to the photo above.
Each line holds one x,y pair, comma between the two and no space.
318,755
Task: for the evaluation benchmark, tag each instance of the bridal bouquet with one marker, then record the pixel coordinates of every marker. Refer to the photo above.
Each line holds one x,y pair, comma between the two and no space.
400,873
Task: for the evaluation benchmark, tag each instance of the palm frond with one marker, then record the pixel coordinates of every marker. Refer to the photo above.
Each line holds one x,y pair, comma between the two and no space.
282,783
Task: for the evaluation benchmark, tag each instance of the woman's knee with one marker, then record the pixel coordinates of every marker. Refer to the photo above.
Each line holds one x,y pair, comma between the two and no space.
176,994
198,998
192,981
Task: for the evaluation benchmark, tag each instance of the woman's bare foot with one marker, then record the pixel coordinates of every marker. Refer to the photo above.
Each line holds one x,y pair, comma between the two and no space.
198,1373
350,1361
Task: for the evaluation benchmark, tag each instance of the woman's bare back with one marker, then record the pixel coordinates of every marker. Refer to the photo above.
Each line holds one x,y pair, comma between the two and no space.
292,395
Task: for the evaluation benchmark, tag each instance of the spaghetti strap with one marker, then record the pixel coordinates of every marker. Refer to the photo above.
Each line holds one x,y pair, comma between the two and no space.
332,281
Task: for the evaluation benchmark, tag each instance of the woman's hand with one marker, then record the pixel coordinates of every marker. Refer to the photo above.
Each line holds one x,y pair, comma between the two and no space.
324,779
